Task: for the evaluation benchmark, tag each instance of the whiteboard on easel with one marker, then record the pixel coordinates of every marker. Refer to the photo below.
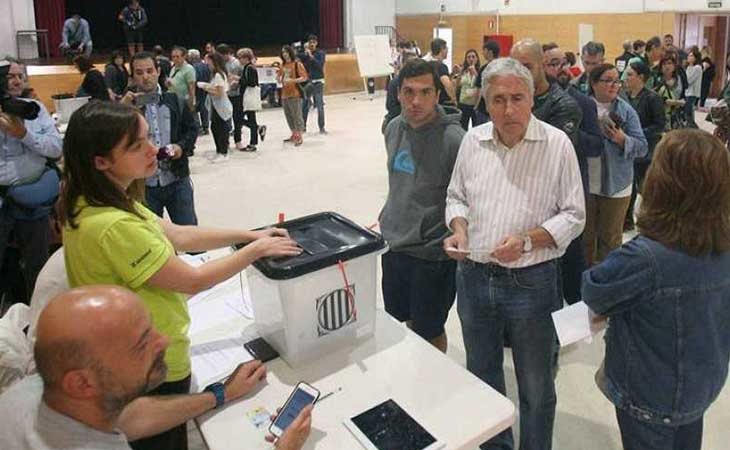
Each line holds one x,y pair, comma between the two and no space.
373,55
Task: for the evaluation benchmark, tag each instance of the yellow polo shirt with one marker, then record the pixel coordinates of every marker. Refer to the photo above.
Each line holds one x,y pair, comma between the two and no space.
112,246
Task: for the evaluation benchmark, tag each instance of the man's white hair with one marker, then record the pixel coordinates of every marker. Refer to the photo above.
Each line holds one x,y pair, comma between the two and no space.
503,67
193,54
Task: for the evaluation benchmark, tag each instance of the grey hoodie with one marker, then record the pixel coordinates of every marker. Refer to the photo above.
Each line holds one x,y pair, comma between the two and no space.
420,162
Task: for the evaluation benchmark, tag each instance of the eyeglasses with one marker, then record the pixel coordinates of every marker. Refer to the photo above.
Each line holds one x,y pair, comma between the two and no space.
609,81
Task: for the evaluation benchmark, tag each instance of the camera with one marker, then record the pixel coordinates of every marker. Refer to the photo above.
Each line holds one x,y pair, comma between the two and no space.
19,108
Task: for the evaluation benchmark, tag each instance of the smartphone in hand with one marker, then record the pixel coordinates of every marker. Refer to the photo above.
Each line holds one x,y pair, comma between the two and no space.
302,396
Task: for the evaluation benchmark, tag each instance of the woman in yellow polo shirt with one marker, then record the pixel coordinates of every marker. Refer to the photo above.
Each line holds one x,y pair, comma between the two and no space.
111,238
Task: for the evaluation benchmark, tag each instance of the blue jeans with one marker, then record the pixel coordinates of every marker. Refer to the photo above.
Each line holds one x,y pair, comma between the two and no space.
494,301
640,435
318,95
177,198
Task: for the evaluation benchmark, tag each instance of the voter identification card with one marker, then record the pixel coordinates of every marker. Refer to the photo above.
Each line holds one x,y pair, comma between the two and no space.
259,417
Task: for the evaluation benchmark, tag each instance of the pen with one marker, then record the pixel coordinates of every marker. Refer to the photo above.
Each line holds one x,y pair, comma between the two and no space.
327,395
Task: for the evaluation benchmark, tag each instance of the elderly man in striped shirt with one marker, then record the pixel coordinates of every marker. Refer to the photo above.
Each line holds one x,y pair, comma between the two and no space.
514,203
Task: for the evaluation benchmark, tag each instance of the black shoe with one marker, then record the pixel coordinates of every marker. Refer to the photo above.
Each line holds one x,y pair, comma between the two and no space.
249,148
262,132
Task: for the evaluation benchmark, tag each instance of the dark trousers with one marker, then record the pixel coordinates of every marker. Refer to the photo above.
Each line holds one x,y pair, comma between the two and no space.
467,114
177,198
317,93
640,435
220,129
250,122
200,108
33,239
689,111
175,438
237,103
640,168
572,266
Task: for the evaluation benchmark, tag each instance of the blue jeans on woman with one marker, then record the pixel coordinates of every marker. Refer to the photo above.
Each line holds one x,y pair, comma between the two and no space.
640,435
493,301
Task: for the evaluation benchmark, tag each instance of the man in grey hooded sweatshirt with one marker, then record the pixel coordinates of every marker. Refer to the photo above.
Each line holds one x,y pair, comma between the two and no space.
422,143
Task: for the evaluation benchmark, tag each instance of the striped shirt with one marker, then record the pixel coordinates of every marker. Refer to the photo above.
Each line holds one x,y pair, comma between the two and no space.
502,192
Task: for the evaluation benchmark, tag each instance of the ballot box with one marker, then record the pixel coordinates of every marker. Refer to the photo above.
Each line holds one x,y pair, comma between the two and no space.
324,299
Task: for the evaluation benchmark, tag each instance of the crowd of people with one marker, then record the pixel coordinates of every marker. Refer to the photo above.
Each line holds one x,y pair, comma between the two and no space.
526,210
516,215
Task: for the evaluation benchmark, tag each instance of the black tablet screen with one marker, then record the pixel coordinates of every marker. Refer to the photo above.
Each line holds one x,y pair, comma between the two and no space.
389,427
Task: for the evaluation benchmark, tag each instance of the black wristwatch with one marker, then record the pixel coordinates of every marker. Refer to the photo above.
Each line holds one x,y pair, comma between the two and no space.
219,391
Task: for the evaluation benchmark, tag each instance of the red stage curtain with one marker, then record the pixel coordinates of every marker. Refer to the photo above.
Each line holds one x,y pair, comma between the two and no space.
330,23
50,15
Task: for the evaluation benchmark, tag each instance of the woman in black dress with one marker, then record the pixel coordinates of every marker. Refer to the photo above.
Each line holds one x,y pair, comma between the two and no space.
93,85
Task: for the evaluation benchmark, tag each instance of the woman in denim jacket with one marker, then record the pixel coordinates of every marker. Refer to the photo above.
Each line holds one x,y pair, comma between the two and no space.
667,296
611,175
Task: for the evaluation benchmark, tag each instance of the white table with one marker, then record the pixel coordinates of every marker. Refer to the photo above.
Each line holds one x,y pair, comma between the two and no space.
452,404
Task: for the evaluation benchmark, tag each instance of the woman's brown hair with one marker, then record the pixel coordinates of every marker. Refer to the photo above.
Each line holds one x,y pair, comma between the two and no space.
686,194
94,130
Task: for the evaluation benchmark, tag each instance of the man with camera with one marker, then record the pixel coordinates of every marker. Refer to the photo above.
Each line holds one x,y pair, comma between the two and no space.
28,184
76,37
173,130
314,60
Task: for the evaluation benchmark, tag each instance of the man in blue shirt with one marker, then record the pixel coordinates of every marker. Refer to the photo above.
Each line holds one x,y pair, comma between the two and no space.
171,125
28,187
313,60
76,36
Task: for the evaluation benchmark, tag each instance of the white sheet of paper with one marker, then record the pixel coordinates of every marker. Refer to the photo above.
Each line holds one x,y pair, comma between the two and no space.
573,324
220,304
213,361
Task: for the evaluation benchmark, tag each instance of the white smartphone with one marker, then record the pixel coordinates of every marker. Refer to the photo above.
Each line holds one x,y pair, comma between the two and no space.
302,396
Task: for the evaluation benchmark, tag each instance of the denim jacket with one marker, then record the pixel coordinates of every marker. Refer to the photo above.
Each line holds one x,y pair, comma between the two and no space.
668,339
617,164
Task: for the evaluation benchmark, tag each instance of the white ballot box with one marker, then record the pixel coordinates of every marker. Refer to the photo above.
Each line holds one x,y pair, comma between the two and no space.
324,299
65,105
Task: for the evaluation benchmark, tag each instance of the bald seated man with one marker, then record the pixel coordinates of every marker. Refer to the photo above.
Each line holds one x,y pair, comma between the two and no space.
97,354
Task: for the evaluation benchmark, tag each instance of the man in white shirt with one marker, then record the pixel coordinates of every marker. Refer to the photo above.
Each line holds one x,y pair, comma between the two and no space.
97,354
514,203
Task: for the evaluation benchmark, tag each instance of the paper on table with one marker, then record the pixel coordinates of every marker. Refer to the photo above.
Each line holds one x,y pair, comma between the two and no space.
573,323
212,361
219,305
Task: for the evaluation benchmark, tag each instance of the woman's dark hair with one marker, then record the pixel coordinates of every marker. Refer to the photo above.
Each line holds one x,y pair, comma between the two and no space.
641,69
597,73
471,50
83,63
696,52
686,194
289,51
117,54
669,57
219,66
570,57
94,130
418,67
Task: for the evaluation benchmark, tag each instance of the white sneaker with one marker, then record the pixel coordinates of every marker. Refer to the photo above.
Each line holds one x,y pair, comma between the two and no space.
240,146
219,158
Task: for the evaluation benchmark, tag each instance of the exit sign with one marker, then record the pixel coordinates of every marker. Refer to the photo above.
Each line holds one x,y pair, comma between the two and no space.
714,4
